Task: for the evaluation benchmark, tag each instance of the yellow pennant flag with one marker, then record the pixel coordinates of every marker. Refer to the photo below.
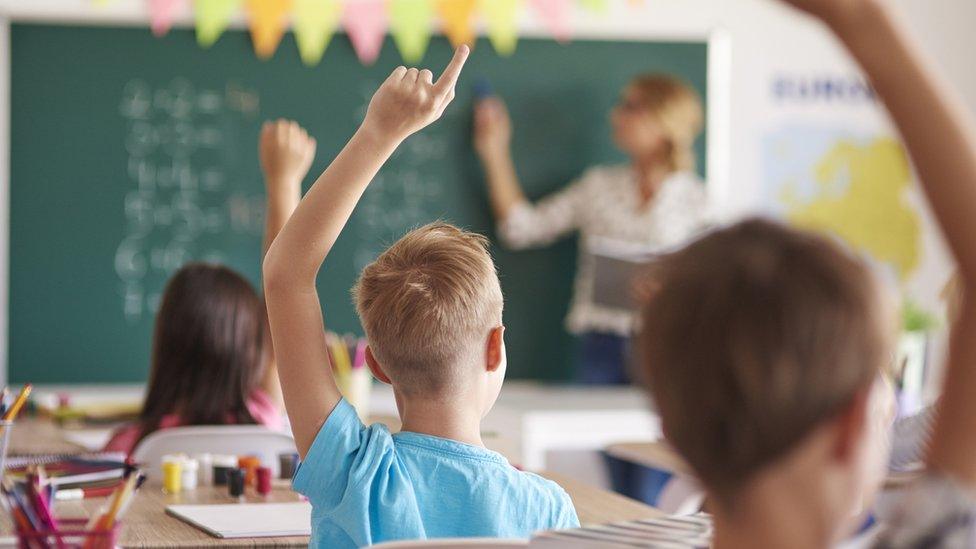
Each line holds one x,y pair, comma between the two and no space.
212,17
268,21
458,16
599,6
410,26
501,17
315,23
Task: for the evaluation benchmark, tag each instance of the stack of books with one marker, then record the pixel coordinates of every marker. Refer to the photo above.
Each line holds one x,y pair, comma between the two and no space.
678,532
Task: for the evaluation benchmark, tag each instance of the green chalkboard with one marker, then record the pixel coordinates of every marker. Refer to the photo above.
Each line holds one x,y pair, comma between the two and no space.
131,155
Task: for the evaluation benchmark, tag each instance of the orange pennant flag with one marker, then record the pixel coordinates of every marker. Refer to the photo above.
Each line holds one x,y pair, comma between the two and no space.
269,18
458,16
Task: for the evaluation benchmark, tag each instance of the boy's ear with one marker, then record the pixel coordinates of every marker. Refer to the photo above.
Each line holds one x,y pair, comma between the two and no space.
851,425
495,355
375,367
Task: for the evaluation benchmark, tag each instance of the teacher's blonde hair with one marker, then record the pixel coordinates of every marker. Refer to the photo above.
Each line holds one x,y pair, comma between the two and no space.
678,110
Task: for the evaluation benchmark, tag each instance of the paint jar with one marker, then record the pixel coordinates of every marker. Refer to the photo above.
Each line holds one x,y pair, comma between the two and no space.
264,480
190,472
205,472
235,482
250,465
173,476
221,468
287,465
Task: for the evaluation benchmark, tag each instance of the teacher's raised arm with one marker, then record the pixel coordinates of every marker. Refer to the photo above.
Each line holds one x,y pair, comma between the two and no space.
623,213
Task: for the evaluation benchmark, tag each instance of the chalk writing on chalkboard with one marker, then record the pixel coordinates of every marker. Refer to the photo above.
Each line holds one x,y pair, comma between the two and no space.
179,203
404,193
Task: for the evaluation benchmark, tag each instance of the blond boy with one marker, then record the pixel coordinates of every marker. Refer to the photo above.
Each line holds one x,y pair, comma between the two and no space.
431,306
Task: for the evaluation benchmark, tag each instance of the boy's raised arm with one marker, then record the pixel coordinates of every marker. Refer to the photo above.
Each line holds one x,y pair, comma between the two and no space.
940,136
406,102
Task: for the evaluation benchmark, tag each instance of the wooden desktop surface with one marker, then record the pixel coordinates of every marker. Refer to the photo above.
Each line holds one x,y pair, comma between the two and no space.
656,455
147,524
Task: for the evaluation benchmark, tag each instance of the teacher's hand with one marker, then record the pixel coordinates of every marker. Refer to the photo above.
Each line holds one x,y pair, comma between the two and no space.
492,129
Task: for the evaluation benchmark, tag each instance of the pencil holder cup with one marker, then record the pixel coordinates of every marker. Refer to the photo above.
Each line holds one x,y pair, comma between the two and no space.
70,534
6,426
355,386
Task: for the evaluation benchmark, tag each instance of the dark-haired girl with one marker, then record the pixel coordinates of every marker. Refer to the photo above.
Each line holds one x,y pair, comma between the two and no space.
212,360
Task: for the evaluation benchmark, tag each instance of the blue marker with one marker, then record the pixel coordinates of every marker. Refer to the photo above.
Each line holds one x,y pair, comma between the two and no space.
482,89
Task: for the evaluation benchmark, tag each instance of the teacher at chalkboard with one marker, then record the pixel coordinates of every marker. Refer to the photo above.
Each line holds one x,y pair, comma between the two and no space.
624,214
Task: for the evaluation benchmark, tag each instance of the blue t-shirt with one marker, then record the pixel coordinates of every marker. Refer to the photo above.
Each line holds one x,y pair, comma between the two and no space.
367,486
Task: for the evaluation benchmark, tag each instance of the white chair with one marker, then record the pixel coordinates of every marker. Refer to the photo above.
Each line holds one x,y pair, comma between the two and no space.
682,495
240,440
459,543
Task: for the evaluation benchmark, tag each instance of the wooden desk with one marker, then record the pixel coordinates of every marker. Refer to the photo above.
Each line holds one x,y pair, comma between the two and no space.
598,506
656,455
32,436
148,525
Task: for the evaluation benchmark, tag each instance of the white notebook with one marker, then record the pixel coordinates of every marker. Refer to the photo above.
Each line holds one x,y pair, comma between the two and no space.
247,520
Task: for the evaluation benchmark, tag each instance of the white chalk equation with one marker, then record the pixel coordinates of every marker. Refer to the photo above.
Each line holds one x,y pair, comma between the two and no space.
179,204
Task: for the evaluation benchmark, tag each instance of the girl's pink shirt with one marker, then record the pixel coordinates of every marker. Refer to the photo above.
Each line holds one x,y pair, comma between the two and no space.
262,409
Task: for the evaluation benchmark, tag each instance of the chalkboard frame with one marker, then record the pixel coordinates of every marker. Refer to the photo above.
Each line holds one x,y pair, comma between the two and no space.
719,80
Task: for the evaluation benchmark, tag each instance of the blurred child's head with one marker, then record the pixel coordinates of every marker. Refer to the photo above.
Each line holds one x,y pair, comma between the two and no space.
210,348
764,349
659,117
431,306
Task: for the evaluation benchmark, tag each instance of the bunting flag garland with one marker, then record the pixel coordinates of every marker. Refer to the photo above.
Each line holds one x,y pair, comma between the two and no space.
315,24
161,15
501,17
557,17
458,20
269,19
410,22
365,21
212,17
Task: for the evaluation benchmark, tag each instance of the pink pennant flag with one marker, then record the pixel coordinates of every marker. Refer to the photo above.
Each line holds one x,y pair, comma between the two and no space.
161,14
365,21
556,15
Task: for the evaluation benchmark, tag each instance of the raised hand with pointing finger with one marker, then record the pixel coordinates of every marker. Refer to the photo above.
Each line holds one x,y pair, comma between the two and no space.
409,100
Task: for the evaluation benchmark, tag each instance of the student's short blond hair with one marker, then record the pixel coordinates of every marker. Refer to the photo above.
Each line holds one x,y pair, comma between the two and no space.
756,334
678,110
428,304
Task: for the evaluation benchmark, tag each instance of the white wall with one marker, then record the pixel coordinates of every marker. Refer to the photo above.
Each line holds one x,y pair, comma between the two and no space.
764,38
